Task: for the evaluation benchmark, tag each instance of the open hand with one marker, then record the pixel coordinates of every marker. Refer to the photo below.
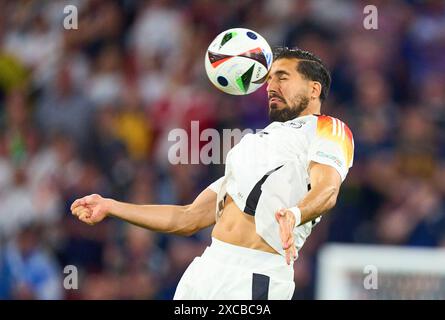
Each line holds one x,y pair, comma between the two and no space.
286,219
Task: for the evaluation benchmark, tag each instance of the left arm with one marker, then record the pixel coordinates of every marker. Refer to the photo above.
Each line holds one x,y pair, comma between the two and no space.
325,185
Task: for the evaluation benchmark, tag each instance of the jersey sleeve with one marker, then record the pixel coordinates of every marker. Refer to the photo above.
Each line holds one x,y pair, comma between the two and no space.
216,185
332,145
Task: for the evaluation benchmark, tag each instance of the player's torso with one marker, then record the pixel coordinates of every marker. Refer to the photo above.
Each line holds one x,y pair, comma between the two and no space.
255,156
265,152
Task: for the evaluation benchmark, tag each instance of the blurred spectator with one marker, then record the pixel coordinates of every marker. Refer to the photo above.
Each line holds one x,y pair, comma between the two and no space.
374,116
158,30
62,108
106,83
133,126
31,272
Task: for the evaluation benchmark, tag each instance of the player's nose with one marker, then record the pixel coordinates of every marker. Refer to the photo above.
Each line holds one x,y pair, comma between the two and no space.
272,86
272,91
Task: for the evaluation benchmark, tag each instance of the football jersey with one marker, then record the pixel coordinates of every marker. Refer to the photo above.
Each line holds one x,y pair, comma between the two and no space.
269,170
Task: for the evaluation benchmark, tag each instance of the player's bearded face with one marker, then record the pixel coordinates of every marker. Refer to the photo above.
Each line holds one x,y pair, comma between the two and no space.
287,109
288,91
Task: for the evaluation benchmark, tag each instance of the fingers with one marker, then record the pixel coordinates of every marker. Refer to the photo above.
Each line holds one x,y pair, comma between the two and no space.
291,254
286,228
81,211
286,222
79,203
87,209
283,233
87,220
87,200
75,204
84,214
78,210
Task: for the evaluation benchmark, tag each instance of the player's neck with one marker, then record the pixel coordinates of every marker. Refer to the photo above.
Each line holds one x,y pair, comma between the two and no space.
312,108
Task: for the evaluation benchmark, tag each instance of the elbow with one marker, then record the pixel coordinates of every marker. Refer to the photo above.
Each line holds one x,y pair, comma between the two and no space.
188,226
188,232
188,229
331,203
332,198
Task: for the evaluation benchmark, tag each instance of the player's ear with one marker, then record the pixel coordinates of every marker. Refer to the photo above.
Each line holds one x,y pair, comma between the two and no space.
315,90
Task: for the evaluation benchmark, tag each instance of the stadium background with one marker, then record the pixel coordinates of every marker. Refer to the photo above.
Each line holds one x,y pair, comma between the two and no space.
89,110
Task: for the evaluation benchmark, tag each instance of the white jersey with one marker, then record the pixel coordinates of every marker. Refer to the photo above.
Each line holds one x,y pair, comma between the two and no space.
268,170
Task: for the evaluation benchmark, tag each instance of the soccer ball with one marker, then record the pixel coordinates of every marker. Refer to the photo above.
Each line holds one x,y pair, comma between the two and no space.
238,60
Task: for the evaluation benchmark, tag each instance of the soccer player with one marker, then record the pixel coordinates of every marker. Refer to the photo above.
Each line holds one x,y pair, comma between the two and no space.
277,184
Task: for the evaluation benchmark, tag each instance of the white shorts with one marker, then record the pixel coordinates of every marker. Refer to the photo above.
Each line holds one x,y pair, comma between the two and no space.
229,272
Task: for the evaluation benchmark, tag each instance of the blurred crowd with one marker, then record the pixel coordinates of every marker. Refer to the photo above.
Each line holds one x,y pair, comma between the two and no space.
89,110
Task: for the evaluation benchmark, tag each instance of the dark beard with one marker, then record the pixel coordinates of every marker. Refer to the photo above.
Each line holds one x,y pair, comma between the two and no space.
288,113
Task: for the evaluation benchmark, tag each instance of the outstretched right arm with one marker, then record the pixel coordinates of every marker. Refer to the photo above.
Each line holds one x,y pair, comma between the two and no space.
180,220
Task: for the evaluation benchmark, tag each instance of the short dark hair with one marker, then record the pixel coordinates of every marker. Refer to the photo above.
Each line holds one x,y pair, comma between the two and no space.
310,66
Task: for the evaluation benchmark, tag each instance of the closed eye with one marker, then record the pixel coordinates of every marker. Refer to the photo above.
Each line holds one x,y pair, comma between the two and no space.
280,74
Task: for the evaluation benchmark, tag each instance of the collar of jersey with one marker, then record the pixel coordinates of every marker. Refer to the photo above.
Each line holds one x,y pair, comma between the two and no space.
308,115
